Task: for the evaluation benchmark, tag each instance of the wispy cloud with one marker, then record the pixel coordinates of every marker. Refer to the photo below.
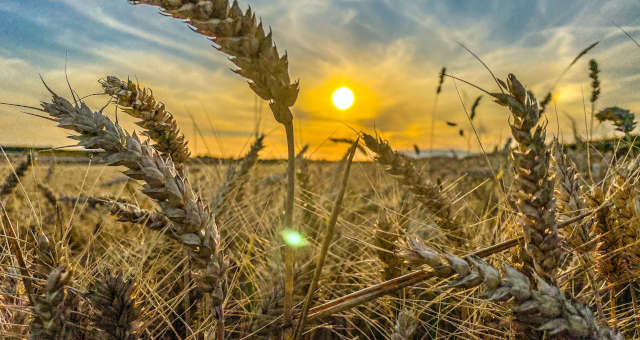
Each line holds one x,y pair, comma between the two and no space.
93,10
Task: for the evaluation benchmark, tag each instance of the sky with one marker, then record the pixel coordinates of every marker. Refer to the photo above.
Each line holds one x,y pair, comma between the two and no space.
389,52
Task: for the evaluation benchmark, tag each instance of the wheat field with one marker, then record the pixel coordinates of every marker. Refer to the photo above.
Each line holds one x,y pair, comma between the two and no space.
138,240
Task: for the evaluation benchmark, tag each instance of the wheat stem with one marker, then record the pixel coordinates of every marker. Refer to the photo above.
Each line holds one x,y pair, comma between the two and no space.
15,247
330,233
289,255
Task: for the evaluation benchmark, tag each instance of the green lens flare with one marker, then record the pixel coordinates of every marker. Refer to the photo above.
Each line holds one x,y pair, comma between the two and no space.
294,238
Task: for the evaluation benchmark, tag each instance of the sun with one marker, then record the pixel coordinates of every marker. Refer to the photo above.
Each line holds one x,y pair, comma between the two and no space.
343,98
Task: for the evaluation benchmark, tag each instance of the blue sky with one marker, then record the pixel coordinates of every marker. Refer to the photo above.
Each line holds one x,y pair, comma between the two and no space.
388,51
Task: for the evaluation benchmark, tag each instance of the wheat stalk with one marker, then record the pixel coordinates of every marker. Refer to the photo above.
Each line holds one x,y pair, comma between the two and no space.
330,233
242,37
539,305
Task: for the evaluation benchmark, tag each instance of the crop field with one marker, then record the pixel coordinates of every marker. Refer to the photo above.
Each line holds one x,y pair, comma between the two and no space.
137,239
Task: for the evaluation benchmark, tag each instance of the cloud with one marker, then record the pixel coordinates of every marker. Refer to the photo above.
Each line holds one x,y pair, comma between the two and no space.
94,11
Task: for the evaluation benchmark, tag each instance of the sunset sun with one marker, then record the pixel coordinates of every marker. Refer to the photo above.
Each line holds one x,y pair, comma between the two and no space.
343,98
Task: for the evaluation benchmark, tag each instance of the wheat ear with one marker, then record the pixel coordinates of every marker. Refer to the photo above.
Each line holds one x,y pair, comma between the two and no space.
49,309
13,179
406,325
236,179
125,212
534,186
157,122
242,37
388,287
116,311
569,196
622,119
443,72
429,195
385,240
594,70
539,306
618,247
